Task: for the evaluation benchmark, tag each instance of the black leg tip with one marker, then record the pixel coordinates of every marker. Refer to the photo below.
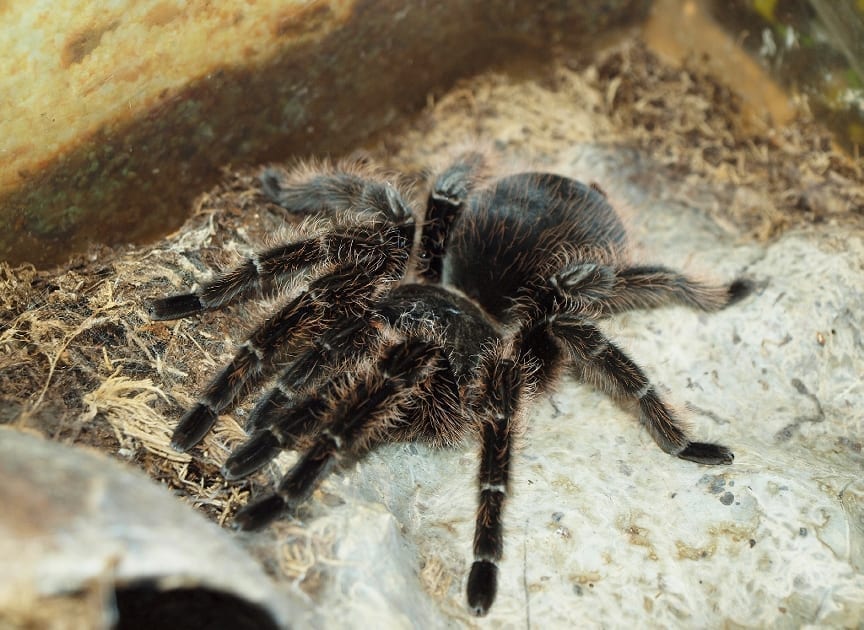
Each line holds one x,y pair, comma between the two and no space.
740,289
270,184
705,453
174,307
267,411
251,455
260,513
192,428
482,586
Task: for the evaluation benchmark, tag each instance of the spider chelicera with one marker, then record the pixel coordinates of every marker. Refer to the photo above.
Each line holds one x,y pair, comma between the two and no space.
399,327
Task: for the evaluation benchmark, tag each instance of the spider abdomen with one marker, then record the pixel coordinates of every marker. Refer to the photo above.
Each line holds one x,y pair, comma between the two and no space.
507,231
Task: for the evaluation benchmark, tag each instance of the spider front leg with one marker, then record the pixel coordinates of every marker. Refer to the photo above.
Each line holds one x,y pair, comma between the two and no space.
348,290
611,369
292,410
346,342
501,386
357,412
446,201
381,247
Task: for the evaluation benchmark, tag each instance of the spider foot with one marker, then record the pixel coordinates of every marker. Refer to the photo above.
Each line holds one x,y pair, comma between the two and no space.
270,184
260,449
706,453
174,307
740,289
193,427
260,513
482,586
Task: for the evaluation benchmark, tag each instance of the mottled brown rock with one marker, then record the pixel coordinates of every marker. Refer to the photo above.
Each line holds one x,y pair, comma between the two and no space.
115,119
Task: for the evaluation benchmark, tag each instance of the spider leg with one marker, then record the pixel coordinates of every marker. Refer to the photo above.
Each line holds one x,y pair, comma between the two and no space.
359,411
440,417
348,188
333,349
589,285
446,201
301,420
293,409
653,286
386,247
501,385
611,369
578,287
349,290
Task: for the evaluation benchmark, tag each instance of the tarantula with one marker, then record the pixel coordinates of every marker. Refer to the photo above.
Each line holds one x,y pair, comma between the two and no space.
432,328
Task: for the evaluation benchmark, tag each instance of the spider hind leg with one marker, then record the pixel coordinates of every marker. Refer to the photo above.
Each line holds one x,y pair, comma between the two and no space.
348,187
590,287
602,363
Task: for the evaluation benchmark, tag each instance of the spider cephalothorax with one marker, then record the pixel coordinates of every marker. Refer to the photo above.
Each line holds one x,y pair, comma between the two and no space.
432,328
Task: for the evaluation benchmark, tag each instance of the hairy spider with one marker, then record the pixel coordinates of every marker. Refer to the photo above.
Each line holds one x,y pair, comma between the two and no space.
503,292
